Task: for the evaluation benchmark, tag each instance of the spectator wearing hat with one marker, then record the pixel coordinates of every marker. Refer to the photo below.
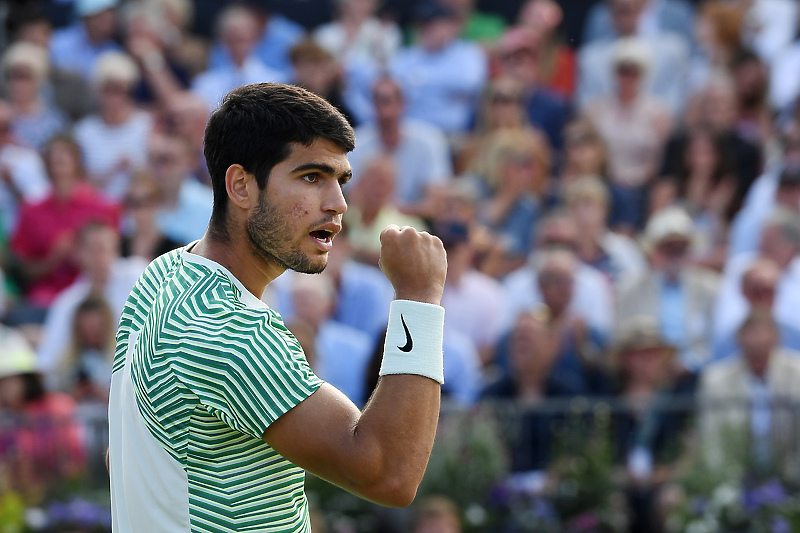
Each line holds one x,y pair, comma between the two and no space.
668,56
442,76
43,442
77,47
419,149
679,296
519,51
649,426
749,400
238,30
635,127
25,68
114,141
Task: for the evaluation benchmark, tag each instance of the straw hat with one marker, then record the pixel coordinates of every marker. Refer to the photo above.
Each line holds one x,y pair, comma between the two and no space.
16,355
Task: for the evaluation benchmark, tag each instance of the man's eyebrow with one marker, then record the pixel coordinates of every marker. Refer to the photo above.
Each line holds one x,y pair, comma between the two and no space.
322,167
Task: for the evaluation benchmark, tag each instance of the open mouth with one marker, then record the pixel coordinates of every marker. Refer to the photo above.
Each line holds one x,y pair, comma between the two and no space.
322,235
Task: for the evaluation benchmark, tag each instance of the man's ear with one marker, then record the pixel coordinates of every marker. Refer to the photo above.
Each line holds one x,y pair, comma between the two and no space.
238,183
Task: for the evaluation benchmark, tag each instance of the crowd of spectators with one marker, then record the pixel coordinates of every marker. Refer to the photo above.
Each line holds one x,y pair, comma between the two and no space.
621,212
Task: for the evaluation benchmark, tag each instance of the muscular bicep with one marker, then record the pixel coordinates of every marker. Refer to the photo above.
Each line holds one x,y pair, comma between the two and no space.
318,435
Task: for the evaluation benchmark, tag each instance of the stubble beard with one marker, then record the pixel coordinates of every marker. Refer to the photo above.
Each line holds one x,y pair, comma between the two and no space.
270,239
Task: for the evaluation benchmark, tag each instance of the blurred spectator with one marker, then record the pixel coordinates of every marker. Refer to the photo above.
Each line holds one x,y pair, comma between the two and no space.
784,86
371,209
25,69
749,400
22,174
557,65
584,155
84,371
658,16
141,234
357,35
78,47
593,296
520,50
679,296
715,107
759,287
275,36
238,32
442,76
63,89
341,353
667,73
186,115
467,289
114,141
185,206
575,346
187,50
437,514
770,25
719,36
147,39
517,170
500,109
754,122
783,192
702,181
45,236
618,257
780,243
419,149
648,432
318,70
635,128
103,274
476,25
40,441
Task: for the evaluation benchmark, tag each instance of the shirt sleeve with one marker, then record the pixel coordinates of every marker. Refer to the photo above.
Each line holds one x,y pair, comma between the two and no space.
245,367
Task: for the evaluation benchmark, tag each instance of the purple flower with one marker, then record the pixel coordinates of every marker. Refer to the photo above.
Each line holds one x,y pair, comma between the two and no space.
585,522
781,525
698,505
772,493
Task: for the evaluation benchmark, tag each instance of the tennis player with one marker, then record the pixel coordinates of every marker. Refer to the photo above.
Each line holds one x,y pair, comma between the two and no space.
214,412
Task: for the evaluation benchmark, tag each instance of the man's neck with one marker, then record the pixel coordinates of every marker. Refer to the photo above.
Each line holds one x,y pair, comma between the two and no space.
236,254
390,133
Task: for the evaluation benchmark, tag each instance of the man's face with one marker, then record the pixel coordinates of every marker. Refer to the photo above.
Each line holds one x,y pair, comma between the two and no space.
169,159
300,210
388,102
97,252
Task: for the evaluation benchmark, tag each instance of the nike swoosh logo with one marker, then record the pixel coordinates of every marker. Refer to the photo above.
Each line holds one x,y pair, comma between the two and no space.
409,342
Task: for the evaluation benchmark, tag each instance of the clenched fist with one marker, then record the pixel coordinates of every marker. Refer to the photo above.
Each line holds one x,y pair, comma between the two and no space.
414,262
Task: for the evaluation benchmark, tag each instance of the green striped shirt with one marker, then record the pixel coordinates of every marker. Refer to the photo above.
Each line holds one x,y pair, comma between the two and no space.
202,368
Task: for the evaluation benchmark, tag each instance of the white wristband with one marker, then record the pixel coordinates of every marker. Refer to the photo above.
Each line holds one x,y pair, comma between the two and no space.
414,340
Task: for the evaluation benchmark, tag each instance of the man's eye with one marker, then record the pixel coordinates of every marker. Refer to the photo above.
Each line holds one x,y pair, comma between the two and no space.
310,178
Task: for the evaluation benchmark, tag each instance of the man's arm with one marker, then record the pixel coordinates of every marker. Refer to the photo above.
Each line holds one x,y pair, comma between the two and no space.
380,453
